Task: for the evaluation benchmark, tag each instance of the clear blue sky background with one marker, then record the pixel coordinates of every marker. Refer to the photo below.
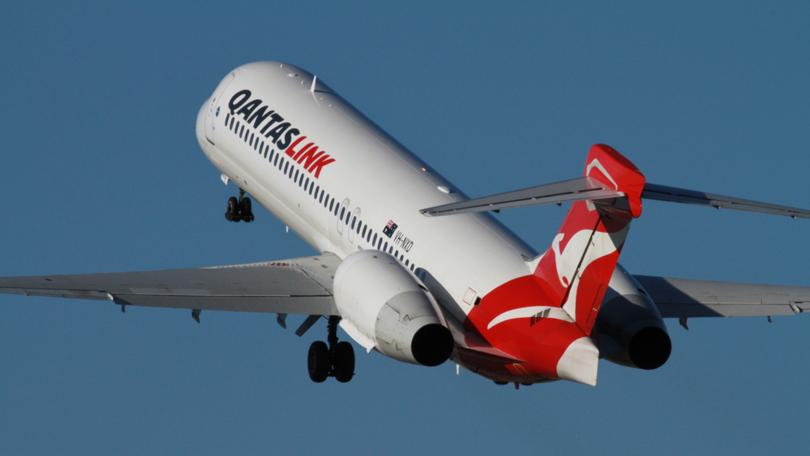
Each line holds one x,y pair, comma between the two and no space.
101,172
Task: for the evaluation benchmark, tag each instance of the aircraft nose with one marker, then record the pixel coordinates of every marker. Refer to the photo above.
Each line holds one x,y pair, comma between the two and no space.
199,126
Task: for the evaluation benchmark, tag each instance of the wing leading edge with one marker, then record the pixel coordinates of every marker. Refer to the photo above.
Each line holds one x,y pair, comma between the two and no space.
682,298
294,286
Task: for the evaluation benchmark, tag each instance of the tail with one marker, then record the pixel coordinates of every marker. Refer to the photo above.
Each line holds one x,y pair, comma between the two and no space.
580,262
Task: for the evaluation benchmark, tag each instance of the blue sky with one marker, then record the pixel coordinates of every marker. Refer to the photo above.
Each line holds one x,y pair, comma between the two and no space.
101,172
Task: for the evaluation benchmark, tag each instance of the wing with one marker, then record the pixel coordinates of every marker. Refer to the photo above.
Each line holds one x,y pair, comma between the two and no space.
681,298
296,286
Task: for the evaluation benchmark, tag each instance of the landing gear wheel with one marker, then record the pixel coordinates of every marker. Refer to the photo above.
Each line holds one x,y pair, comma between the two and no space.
245,209
335,359
318,361
232,213
343,362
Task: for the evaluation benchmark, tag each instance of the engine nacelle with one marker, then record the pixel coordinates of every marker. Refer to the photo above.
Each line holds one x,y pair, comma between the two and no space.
377,297
629,328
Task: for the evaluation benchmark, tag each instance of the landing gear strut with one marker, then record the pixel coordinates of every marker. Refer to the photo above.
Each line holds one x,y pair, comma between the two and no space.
333,360
239,209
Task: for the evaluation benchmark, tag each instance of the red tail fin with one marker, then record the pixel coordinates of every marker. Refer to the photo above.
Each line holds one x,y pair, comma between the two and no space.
584,253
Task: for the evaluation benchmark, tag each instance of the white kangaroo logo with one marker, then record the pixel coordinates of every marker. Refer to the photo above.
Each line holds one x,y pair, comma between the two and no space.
601,245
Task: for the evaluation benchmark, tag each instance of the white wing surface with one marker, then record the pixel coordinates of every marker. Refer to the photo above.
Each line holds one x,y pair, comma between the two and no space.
682,298
295,286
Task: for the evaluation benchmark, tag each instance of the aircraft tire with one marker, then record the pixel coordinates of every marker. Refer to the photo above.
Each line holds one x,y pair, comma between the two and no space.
344,362
318,361
232,212
246,209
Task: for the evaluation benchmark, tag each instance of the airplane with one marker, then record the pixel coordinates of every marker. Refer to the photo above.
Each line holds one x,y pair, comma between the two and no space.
412,268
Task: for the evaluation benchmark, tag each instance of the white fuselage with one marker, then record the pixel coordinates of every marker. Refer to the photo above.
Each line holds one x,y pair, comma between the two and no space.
372,176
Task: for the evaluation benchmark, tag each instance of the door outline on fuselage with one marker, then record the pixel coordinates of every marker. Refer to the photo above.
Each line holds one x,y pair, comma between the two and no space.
214,111
355,215
344,208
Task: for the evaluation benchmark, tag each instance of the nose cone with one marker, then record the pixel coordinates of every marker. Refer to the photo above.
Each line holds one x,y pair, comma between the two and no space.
199,126
579,362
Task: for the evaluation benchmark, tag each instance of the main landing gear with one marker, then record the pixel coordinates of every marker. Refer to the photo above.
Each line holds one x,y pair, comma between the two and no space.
239,209
333,360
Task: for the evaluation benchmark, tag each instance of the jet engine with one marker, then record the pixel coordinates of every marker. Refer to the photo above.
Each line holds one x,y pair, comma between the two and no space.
629,329
379,298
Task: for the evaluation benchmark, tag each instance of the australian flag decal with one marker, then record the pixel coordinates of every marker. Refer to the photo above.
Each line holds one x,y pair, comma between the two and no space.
390,228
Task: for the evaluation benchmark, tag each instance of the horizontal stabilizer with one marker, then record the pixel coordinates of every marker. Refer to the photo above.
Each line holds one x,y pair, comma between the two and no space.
588,188
582,188
682,195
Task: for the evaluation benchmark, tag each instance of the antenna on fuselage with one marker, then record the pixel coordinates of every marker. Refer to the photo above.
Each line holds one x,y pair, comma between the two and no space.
314,81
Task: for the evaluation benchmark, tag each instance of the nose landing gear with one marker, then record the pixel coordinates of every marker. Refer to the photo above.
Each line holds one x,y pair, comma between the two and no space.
239,209
333,360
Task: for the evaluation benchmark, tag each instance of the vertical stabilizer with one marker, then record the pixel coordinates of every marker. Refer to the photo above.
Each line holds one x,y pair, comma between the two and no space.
578,265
